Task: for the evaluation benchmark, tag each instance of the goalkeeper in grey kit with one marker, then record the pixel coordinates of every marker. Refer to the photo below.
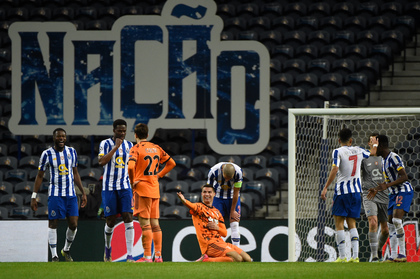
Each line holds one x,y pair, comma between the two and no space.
376,209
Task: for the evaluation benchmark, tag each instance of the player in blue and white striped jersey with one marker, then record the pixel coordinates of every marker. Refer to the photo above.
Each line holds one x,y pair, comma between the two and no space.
400,197
226,179
117,195
347,160
61,161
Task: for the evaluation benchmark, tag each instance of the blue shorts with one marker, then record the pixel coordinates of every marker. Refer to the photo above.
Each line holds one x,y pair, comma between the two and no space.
62,207
224,206
402,200
347,205
117,201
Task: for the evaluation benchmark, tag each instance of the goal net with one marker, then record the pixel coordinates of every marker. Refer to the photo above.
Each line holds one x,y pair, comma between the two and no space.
313,135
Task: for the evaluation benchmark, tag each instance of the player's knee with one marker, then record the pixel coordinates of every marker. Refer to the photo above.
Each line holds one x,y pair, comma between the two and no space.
373,222
146,227
156,228
127,217
72,224
235,256
73,227
238,258
246,257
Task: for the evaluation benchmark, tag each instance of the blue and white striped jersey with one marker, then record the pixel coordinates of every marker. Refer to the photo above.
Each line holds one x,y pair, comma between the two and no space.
390,166
348,159
223,188
60,165
116,171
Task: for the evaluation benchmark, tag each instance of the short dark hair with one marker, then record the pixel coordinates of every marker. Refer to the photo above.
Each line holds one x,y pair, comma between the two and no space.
59,129
374,134
345,135
208,186
119,122
141,130
383,141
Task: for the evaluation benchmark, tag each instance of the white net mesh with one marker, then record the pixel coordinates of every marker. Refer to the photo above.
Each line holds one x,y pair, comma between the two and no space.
314,222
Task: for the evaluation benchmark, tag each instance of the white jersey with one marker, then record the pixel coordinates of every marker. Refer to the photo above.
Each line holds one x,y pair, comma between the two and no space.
116,171
391,165
60,165
223,188
348,159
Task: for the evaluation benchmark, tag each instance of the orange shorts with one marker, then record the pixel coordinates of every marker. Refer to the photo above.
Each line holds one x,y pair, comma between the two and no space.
145,207
219,248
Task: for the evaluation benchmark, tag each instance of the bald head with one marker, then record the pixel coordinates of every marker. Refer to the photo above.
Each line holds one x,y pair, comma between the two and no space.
228,171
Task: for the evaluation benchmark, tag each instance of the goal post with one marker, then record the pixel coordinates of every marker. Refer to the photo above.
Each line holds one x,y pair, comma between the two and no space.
312,135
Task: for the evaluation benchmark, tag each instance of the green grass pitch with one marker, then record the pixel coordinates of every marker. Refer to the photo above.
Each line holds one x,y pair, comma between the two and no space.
171,270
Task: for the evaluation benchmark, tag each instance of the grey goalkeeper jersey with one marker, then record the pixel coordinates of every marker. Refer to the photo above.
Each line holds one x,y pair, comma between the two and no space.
371,176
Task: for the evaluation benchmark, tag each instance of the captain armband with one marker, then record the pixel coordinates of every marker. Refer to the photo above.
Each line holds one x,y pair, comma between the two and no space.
237,184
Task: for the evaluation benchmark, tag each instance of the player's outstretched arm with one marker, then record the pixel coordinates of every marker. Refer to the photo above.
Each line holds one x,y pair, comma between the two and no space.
181,197
186,202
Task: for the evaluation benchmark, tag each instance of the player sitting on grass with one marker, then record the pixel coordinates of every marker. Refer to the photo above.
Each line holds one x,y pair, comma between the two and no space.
210,229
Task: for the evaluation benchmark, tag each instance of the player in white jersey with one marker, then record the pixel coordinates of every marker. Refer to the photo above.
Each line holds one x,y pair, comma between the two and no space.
400,197
61,161
226,179
376,209
117,195
347,194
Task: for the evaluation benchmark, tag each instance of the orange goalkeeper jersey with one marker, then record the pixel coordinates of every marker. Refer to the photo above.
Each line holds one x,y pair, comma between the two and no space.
145,158
201,216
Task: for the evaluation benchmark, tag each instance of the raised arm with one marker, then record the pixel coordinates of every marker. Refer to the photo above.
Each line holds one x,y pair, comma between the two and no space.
187,203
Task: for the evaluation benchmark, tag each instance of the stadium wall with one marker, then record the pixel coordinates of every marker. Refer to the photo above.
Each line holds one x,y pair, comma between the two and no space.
264,240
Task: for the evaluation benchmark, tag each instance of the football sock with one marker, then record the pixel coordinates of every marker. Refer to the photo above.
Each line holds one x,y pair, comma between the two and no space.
373,242
220,259
146,239
69,238
129,237
235,236
157,240
354,236
400,234
341,244
52,241
382,239
108,236
393,240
